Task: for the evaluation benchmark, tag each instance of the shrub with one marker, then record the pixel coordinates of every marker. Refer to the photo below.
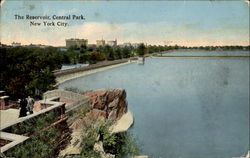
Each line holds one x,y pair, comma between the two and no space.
41,144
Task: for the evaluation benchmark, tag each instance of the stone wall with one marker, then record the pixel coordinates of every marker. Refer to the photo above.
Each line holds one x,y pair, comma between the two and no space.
17,138
78,99
4,100
63,94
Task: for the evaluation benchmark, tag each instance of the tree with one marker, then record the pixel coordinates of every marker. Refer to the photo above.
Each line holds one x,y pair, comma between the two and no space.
28,70
83,58
108,52
141,50
125,52
83,48
41,82
73,47
117,53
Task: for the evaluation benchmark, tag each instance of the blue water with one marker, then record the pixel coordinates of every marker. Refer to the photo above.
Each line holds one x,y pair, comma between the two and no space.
183,107
207,53
65,67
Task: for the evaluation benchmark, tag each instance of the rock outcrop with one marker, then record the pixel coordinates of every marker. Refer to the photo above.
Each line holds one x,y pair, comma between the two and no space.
107,103
104,104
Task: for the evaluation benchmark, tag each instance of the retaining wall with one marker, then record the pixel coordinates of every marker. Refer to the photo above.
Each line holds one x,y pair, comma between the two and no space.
17,139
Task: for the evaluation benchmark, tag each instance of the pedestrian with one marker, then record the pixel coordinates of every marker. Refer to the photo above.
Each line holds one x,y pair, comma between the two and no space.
30,103
23,108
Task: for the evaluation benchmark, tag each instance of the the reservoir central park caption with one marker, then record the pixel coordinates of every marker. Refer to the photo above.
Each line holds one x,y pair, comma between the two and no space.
50,21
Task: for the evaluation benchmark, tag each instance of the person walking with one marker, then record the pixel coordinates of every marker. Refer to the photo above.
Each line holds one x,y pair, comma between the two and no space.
23,108
30,103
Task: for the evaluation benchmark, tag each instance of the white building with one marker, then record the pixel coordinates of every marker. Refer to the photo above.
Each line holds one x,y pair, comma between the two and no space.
112,43
15,44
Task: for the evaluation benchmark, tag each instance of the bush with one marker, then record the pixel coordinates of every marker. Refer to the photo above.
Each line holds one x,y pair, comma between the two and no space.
41,144
119,144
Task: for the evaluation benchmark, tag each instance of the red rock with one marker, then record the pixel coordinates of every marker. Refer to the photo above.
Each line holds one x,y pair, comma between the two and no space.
76,124
96,114
111,101
113,115
114,103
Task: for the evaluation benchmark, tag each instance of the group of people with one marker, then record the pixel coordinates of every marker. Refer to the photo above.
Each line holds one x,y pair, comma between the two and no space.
26,106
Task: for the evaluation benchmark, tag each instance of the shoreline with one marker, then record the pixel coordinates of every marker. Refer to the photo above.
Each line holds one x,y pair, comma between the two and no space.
200,56
73,75
124,123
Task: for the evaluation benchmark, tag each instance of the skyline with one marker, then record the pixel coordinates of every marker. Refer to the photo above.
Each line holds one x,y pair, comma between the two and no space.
186,23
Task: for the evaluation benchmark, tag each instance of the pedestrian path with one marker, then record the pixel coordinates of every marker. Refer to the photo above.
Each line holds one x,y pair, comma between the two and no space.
8,116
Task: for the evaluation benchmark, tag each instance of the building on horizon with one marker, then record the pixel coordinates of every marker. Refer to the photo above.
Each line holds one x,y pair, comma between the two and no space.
3,45
36,46
15,44
128,44
100,42
136,45
112,43
76,42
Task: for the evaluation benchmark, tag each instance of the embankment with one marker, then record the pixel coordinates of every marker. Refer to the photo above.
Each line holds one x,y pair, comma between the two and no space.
65,75
104,105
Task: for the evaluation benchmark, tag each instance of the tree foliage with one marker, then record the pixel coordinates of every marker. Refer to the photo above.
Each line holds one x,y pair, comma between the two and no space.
41,143
118,144
28,71
141,50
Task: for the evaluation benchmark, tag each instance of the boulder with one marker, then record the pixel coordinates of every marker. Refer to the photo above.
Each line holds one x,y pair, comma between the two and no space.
112,103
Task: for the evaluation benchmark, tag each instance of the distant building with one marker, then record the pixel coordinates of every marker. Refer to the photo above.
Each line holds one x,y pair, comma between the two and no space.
100,43
136,45
3,45
35,46
126,45
76,42
31,46
41,45
112,43
15,44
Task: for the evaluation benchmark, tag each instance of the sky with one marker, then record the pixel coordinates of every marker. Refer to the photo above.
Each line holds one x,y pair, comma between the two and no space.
188,23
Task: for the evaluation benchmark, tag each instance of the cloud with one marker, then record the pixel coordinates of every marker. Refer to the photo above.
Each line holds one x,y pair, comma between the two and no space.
150,33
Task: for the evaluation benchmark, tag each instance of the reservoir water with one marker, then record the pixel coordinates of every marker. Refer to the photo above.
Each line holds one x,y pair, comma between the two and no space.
65,67
208,53
183,107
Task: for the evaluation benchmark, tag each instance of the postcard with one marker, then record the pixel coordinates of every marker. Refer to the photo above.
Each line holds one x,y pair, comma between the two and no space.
124,79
